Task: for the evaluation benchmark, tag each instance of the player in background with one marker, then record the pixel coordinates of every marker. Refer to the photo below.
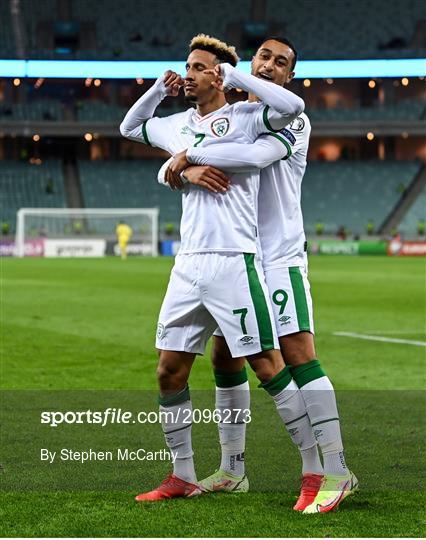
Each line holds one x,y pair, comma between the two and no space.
124,233
283,245
217,278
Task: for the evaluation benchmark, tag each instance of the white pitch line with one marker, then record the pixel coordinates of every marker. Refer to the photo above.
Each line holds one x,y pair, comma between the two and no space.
381,338
397,332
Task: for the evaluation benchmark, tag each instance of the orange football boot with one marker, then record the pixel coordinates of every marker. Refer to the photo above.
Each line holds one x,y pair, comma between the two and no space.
170,488
311,484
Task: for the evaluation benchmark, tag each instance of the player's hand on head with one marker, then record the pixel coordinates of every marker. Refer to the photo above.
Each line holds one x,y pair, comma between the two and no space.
221,76
217,82
172,175
173,82
208,177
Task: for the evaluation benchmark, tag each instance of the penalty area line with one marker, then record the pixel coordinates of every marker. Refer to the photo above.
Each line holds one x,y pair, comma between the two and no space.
380,338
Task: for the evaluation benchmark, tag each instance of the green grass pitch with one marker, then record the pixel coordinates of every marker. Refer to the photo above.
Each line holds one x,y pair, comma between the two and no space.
90,324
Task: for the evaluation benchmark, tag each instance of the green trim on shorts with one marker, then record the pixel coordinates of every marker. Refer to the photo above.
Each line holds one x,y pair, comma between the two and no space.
300,301
278,382
227,380
145,133
263,318
307,373
175,399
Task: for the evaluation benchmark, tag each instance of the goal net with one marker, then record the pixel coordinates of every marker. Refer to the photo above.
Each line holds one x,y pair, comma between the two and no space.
89,232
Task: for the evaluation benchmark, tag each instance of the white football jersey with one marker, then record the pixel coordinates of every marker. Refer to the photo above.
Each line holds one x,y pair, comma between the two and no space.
213,222
281,231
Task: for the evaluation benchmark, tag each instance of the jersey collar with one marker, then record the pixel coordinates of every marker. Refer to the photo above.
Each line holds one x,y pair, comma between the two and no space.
199,119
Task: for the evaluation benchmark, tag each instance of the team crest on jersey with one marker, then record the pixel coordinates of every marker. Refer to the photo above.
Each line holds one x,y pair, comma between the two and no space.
298,124
220,127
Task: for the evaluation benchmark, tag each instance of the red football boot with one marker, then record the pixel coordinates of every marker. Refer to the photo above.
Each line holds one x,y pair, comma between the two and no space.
170,488
310,487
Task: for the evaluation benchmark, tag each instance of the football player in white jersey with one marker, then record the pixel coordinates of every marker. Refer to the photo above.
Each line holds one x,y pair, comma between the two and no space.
217,278
284,261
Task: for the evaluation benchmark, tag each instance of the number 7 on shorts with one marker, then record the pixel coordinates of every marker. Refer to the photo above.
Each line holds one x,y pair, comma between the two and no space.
243,312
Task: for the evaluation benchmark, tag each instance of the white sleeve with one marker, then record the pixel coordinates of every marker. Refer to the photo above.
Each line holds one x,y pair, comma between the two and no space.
162,172
283,105
235,157
297,134
158,132
135,123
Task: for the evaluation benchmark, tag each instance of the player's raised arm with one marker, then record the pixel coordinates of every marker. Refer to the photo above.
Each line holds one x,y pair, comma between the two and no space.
283,105
144,108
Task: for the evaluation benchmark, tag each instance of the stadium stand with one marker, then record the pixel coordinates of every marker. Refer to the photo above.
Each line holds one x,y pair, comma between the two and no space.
47,110
349,194
406,109
339,194
417,213
24,185
128,184
99,111
7,44
141,37
158,37
32,19
371,34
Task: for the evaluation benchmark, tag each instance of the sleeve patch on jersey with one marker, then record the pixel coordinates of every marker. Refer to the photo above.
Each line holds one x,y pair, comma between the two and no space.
289,136
298,124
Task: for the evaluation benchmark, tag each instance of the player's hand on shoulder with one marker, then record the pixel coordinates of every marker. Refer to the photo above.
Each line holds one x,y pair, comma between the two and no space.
173,82
207,177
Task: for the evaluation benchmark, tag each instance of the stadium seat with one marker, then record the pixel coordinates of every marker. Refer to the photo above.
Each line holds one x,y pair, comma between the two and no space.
407,109
128,184
371,34
44,110
7,42
339,193
159,37
27,186
416,213
351,193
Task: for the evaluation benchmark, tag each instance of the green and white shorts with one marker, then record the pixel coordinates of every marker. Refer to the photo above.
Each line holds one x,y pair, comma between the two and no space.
290,295
207,290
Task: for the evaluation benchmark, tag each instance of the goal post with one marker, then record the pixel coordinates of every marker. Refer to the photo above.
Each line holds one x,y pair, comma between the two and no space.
87,226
